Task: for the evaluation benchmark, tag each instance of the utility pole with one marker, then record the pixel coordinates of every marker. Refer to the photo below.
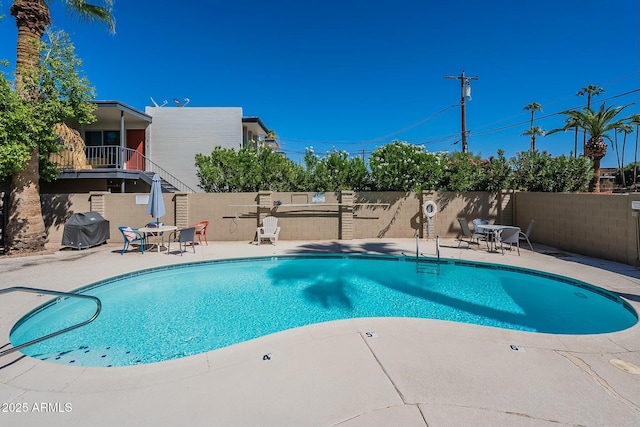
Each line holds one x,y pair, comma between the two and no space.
465,92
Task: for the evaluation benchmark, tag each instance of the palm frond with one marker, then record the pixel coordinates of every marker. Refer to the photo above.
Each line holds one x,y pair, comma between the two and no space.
93,12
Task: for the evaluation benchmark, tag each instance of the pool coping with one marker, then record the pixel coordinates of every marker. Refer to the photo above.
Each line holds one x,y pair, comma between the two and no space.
380,376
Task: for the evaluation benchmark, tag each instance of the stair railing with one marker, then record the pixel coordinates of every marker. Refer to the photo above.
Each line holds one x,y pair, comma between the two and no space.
138,161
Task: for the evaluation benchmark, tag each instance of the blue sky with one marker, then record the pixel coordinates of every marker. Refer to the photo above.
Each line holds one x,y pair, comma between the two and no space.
354,74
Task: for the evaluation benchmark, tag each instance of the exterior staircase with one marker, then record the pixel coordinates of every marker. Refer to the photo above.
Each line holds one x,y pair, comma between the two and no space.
166,186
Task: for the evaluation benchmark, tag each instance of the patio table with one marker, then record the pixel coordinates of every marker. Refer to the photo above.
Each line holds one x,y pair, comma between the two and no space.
158,232
493,229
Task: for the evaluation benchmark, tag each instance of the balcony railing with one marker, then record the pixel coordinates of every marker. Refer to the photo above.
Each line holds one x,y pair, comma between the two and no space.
107,156
114,157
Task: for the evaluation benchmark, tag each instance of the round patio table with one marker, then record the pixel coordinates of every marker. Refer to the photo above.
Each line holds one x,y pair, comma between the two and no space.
158,232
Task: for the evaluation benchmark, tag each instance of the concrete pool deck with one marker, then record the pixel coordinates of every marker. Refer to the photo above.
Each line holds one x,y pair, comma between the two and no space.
357,372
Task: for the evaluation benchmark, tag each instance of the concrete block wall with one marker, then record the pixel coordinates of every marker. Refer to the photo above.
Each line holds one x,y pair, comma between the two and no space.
57,208
506,203
390,214
122,209
182,210
235,216
452,206
231,216
305,220
598,225
347,200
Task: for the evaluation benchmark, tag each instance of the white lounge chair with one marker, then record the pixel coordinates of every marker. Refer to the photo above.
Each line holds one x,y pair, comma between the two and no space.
269,229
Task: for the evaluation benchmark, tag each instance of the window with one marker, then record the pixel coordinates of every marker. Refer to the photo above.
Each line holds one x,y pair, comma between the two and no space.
97,138
93,138
111,137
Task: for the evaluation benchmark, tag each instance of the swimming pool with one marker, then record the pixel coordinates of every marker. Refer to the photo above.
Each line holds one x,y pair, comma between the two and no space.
181,310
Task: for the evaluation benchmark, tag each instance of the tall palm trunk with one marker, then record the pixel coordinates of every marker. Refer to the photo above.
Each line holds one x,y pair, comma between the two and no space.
617,150
624,143
26,230
635,162
596,149
32,18
533,142
594,185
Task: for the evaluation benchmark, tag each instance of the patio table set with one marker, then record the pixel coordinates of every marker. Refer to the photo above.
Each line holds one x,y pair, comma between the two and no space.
156,230
493,234
153,234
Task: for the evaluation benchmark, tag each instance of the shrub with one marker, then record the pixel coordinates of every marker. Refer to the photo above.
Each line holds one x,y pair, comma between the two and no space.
538,171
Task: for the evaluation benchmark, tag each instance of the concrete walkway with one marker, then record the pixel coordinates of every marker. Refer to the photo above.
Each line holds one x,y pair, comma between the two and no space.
358,372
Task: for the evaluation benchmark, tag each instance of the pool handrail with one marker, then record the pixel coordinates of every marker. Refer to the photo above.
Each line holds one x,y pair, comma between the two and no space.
61,331
418,248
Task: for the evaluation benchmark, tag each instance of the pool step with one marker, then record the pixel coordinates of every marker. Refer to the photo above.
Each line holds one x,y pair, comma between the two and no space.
427,268
97,357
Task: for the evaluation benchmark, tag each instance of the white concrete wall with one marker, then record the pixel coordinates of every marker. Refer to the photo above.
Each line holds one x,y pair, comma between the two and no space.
176,135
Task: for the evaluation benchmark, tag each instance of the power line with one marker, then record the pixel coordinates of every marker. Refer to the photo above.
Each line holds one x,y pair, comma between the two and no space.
449,137
553,114
373,140
426,119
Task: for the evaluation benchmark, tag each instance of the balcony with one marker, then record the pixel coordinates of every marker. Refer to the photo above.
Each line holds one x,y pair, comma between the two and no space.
112,161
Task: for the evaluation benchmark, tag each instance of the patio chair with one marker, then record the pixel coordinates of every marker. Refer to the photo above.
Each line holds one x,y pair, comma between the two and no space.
477,225
526,234
466,232
477,228
130,235
183,236
201,230
510,236
269,229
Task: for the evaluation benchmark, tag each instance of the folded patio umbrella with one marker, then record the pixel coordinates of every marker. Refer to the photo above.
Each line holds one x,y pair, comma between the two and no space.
155,207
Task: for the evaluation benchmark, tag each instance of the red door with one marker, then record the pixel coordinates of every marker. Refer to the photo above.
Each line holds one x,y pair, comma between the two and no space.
135,141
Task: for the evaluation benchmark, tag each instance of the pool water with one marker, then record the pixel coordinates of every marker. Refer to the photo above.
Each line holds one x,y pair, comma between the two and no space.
177,311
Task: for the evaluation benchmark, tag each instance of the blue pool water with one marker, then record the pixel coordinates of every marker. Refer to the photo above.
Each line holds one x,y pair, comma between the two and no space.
177,311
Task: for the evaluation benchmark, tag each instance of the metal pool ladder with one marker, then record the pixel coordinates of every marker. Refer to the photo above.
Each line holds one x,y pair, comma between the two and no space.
61,331
424,267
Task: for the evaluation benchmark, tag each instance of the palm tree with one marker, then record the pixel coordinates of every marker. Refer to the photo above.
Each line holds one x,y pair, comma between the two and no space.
597,124
26,230
533,132
589,91
625,128
533,107
634,120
